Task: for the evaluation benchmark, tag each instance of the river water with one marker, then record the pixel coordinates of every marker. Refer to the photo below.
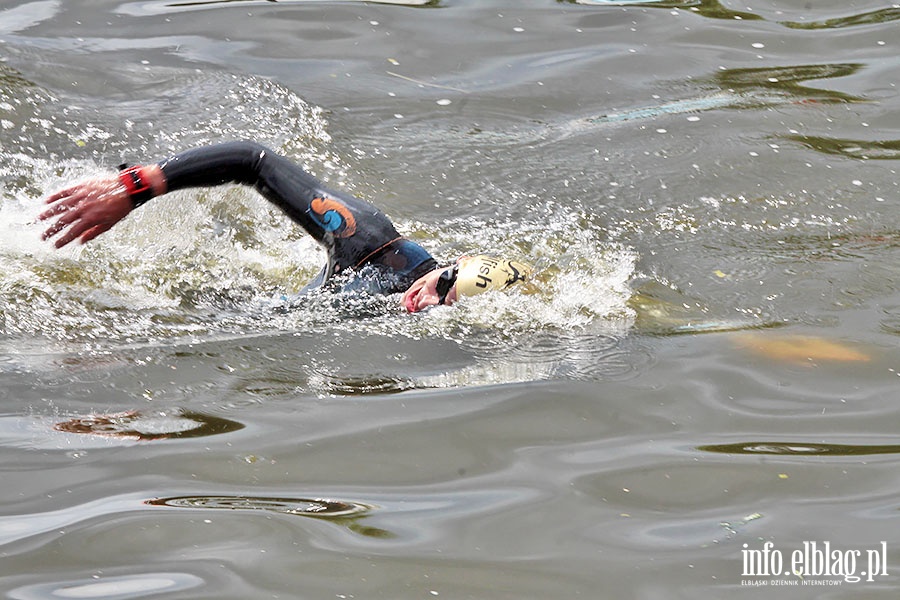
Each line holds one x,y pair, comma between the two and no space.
709,192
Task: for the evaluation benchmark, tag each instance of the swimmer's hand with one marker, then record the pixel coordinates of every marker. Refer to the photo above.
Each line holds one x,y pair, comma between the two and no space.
87,209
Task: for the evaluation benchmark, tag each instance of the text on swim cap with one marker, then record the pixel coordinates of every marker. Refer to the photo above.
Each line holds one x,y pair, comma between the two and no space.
487,264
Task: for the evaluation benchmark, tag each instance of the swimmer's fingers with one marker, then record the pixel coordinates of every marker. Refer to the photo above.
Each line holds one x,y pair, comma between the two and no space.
70,234
86,190
64,221
61,203
82,189
90,222
66,193
87,211
95,231
67,211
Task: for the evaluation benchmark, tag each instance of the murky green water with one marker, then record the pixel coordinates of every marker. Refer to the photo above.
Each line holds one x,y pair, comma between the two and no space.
709,190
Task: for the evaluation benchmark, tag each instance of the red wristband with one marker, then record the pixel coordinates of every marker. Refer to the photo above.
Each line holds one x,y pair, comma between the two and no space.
137,186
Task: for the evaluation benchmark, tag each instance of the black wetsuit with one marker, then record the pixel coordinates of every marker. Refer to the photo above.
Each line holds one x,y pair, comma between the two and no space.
358,237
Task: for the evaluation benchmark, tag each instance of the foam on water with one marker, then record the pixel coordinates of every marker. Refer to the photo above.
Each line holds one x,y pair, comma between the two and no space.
186,260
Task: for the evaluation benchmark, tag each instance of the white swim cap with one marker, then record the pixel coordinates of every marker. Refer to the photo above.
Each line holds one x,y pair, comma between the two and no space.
481,273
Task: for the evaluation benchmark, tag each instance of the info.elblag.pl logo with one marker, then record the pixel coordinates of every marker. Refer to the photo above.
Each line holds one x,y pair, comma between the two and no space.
815,563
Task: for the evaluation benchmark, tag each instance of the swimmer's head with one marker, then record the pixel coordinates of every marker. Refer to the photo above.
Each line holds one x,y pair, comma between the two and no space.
470,276
477,274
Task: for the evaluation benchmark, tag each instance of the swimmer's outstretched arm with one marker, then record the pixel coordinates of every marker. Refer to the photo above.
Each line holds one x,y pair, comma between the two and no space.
87,209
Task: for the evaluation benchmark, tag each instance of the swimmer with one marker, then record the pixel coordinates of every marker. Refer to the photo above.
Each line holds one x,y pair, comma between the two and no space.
357,237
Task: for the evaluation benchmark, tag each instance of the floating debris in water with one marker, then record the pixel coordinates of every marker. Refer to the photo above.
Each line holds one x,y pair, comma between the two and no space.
732,529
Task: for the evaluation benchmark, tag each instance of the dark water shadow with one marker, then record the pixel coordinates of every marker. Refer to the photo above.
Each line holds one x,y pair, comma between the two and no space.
884,15
141,426
346,514
11,81
785,81
858,149
712,9
800,449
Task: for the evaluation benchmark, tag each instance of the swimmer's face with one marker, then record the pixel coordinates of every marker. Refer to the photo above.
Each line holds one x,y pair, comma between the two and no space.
433,288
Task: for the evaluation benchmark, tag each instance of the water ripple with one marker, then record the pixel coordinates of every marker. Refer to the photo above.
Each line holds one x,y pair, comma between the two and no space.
357,385
315,507
800,449
343,513
121,587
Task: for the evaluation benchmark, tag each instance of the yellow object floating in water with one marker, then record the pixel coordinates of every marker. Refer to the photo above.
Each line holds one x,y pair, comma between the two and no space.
799,349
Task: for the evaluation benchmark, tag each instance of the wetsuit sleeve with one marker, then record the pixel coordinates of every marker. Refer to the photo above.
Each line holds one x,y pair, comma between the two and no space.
352,231
279,180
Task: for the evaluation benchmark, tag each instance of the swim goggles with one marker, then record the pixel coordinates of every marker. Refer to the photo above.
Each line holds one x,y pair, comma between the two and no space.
445,282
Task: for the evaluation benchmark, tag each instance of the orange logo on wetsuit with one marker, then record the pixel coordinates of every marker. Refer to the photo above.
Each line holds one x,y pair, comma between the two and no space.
333,217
